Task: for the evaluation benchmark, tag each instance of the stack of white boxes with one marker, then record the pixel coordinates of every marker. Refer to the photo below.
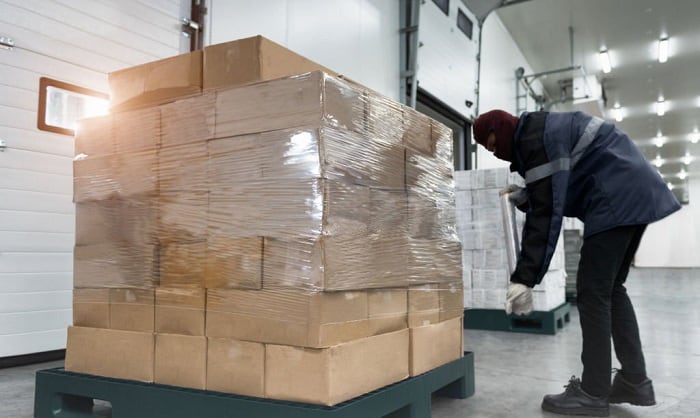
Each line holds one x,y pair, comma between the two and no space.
484,258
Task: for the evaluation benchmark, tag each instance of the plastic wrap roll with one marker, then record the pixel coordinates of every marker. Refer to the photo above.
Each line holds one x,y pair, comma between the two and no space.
511,231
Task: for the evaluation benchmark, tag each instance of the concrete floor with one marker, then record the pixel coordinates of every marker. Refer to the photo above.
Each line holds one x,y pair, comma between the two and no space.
514,371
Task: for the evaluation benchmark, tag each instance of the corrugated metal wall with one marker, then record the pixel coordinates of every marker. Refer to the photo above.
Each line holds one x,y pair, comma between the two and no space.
79,42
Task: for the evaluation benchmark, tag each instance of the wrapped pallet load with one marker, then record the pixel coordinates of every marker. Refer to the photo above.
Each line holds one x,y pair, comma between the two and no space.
266,229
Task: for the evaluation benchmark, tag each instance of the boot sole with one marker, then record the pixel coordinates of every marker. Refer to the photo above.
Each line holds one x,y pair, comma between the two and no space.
591,412
636,403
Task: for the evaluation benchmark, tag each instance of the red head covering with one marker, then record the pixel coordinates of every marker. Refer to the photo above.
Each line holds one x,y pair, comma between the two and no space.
502,124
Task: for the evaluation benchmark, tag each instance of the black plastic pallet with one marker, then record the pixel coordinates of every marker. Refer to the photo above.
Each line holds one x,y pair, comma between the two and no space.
538,322
63,394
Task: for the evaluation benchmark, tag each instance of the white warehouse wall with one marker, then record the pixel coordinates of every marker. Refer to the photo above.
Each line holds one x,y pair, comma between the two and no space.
79,42
675,240
500,57
357,38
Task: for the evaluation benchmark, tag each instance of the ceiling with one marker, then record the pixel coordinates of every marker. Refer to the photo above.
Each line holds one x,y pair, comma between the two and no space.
630,30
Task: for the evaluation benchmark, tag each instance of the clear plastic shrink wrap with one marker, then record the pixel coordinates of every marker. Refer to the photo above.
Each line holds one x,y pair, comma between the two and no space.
328,185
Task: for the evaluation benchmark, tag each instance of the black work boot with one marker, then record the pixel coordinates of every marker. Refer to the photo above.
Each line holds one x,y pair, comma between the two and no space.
574,401
641,394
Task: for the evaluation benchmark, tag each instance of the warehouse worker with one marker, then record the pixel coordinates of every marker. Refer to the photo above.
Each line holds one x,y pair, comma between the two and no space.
581,166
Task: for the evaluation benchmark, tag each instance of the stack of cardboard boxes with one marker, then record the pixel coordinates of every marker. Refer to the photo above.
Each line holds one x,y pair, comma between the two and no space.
245,231
484,258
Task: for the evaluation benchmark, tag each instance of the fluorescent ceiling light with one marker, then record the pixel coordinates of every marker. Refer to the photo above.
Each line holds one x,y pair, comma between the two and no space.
661,106
687,158
658,162
617,112
695,136
663,50
682,175
605,61
670,186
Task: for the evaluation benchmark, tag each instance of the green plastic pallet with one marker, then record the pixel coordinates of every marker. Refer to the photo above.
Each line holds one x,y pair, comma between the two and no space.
63,394
538,322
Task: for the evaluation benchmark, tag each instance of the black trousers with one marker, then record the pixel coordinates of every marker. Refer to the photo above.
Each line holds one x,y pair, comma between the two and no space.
605,309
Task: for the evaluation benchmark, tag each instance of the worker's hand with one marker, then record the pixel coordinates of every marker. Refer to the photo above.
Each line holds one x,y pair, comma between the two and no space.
517,195
518,299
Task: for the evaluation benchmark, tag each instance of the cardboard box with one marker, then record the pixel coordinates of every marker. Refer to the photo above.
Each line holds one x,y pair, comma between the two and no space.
287,317
417,131
321,264
115,264
111,353
435,345
156,82
451,297
388,310
138,130
132,309
181,360
236,367
389,259
423,305
180,311
429,172
116,221
234,262
306,100
137,174
336,374
91,308
250,60
182,216
115,176
94,177
183,264
188,120
434,261
183,168
95,136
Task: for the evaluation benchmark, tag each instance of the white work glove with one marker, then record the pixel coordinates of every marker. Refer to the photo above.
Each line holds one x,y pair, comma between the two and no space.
517,194
518,299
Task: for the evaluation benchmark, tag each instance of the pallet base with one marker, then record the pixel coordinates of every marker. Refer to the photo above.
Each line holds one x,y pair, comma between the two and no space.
538,322
63,394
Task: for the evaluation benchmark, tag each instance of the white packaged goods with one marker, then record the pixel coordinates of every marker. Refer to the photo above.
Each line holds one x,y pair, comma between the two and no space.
553,280
480,228
490,279
546,301
490,259
468,303
481,239
487,198
488,298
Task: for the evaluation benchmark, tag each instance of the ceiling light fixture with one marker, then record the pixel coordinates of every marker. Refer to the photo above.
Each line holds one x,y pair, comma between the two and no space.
617,112
661,106
682,175
605,61
658,162
687,158
670,186
663,49
695,136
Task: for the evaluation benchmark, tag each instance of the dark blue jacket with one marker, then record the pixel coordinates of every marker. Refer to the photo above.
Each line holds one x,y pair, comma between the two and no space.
579,166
